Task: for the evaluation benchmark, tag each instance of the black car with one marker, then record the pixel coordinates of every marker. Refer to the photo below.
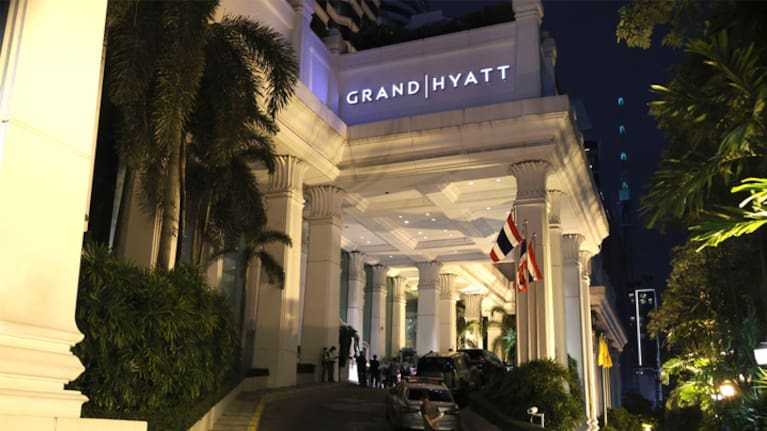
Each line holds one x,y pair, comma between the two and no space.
488,364
454,369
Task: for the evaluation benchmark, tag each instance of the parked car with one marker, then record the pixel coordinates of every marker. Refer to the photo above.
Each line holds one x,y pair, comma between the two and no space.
454,369
403,404
487,362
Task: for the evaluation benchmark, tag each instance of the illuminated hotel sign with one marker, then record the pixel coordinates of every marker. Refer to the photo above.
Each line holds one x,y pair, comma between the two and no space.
429,85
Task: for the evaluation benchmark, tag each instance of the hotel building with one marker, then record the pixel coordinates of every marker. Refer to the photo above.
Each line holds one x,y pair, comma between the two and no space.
397,167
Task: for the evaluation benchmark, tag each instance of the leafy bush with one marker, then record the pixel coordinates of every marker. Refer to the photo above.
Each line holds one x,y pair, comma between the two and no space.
543,383
153,339
621,419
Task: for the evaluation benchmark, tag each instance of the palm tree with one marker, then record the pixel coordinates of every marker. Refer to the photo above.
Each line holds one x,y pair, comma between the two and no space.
188,89
249,76
507,342
155,61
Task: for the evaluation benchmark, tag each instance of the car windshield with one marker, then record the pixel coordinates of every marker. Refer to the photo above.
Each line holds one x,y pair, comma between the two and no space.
434,364
436,395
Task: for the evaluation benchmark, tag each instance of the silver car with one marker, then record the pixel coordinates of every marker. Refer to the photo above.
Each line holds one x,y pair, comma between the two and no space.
403,404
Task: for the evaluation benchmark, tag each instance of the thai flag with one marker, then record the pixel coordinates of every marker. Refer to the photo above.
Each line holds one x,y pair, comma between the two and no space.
527,271
508,238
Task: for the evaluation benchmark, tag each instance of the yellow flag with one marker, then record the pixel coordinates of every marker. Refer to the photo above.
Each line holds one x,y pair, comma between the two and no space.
604,359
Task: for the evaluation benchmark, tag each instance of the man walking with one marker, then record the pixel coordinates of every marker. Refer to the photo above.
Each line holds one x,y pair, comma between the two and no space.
375,372
430,413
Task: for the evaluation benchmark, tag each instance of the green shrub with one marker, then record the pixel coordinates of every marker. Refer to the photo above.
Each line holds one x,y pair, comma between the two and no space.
153,339
621,419
543,383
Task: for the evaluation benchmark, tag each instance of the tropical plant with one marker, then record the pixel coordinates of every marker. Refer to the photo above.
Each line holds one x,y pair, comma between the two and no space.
249,76
543,383
710,324
155,61
731,222
196,94
347,339
152,339
713,113
507,342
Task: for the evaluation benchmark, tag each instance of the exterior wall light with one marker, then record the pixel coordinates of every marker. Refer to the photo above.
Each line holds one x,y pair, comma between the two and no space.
727,389
760,353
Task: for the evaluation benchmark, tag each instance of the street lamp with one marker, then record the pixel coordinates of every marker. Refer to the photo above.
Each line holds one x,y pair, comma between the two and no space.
760,353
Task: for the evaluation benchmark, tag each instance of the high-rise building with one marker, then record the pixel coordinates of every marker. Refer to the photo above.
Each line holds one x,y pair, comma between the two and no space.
642,376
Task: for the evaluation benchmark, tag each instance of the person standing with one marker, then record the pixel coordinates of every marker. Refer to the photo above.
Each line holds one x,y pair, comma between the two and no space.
330,361
362,364
430,413
375,372
323,361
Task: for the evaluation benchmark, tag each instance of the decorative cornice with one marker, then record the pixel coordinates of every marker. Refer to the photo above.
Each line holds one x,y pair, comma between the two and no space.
531,178
571,247
288,174
447,286
325,201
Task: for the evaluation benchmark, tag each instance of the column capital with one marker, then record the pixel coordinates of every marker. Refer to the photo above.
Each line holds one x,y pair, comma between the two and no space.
473,306
585,260
288,175
447,286
428,272
571,247
356,265
531,178
532,9
379,276
325,201
398,289
555,198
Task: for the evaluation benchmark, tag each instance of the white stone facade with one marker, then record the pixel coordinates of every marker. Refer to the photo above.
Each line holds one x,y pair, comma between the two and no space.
409,157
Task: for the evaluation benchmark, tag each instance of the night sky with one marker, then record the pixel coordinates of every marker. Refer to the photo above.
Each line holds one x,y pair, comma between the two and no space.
593,67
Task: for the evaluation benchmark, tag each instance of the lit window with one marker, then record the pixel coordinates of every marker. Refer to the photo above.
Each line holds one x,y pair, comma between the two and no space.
622,129
620,101
624,156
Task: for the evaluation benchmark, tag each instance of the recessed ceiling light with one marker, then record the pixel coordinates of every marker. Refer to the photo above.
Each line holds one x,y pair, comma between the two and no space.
399,216
420,233
433,219
427,214
471,183
390,256
425,237
488,208
407,222
368,241
497,180
444,230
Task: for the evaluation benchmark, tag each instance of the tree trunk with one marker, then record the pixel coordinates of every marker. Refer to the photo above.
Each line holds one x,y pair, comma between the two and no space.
170,210
118,203
130,183
182,199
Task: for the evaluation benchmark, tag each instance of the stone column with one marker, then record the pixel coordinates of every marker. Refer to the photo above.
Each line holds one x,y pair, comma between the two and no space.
399,300
535,308
493,333
378,312
474,313
323,275
356,298
276,341
427,336
571,279
589,367
527,19
446,314
49,107
557,288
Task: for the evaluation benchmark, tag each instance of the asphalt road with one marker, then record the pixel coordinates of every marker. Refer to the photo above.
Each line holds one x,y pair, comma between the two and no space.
336,407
